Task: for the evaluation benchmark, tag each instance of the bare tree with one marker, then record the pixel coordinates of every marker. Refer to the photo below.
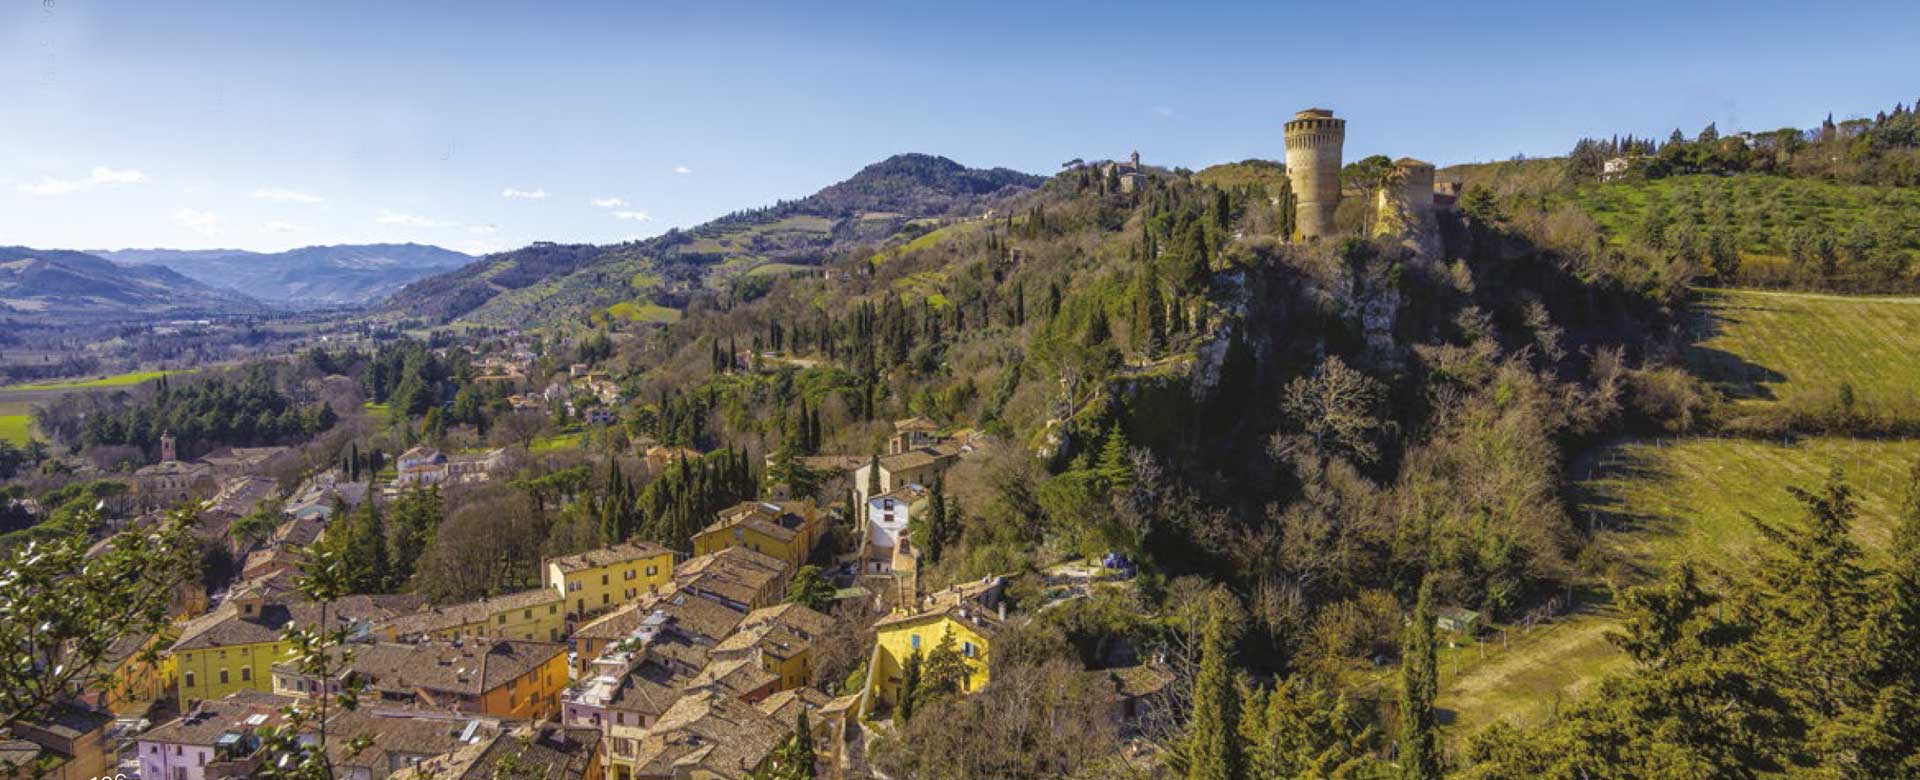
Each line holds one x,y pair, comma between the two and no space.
1336,407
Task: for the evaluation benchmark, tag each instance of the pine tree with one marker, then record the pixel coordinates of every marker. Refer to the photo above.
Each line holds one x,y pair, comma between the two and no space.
1419,684
1899,640
1213,739
810,589
1818,597
1115,466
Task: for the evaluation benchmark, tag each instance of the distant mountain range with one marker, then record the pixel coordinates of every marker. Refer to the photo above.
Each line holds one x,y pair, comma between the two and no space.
57,284
653,278
314,276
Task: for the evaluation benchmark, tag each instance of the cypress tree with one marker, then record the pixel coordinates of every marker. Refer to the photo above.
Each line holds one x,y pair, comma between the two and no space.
909,689
1213,733
1419,684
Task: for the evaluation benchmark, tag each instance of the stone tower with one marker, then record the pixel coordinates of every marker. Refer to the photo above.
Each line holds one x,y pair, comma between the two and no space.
1313,140
1404,210
1416,184
166,447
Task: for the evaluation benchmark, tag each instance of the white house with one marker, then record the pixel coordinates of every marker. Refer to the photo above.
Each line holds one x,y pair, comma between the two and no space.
217,731
886,524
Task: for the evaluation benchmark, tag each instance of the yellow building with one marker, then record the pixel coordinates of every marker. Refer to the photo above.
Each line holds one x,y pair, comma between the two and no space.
137,681
532,615
599,580
501,677
972,613
786,530
236,646
780,640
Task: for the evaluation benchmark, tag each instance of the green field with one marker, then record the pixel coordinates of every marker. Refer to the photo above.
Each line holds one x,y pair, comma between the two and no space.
1760,346
558,441
15,428
644,311
1660,503
1691,498
117,380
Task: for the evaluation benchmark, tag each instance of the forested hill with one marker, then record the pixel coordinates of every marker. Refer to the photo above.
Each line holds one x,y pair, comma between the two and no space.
653,279
56,284
348,274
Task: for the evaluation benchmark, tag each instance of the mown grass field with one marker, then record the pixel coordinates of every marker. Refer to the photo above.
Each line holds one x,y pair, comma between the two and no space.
558,441
15,427
1691,498
116,380
1659,503
1759,346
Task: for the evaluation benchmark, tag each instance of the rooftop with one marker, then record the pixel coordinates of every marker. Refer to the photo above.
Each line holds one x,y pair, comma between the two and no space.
781,520
975,604
735,575
441,618
228,625
468,668
239,712
708,734
622,552
545,751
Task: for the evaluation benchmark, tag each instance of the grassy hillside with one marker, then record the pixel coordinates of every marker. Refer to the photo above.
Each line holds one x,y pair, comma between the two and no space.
1776,346
1663,502
1655,503
1509,176
1691,498
1246,173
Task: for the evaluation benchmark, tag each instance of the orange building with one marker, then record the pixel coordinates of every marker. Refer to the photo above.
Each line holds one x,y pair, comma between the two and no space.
502,677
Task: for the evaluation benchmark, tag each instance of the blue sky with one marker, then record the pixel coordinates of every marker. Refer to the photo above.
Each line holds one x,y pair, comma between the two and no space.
482,126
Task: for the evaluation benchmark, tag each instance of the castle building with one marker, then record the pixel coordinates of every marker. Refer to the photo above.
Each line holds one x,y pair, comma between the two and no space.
1129,173
1416,184
1313,139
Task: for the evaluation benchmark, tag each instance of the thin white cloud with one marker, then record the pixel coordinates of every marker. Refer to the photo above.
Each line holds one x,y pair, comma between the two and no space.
391,217
205,223
101,176
283,195
636,216
608,203
281,227
536,193
682,170
1163,110
105,175
482,230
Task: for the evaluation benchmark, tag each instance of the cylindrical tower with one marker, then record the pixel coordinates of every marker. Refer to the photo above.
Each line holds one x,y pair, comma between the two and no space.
1313,141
